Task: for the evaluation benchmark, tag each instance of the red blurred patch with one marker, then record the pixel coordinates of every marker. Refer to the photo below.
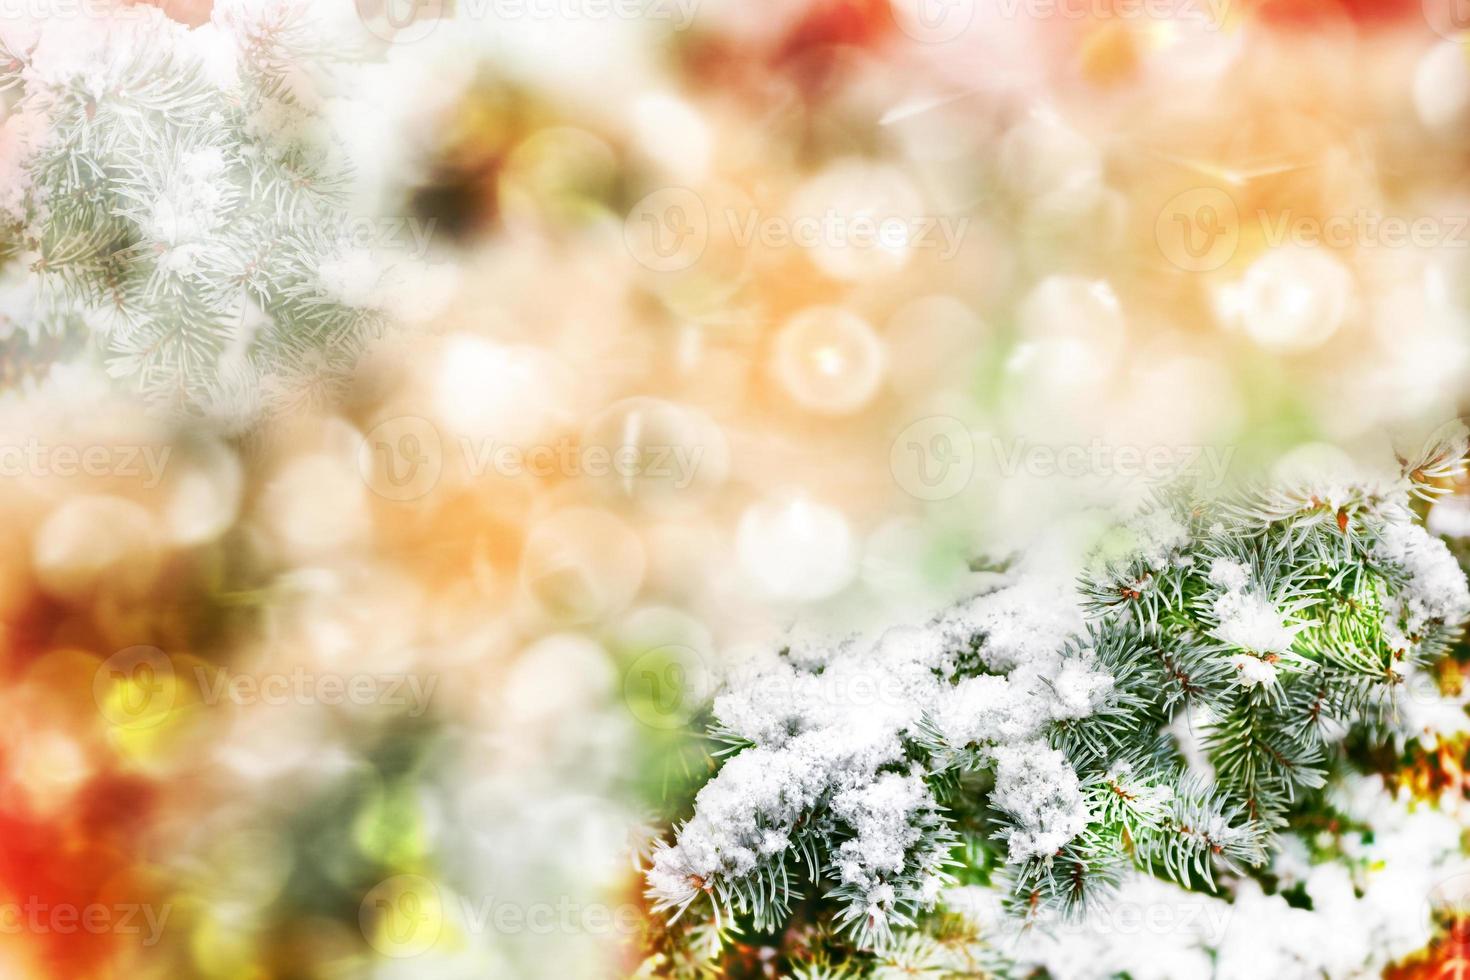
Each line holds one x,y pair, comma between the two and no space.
1315,13
115,809
858,23
47,866
1447,959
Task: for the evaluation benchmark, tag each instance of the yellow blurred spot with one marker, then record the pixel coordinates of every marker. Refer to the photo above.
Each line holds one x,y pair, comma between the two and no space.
152,708
390,829
402,917
1109,54
225,950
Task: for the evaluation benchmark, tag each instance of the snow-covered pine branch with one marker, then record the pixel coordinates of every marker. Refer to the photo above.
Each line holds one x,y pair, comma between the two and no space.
173,199
1267,625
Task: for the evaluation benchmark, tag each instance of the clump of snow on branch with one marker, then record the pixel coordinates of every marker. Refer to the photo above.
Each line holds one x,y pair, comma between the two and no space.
1249,621
1035,785
838,733
1275,621
1435,586
1369,909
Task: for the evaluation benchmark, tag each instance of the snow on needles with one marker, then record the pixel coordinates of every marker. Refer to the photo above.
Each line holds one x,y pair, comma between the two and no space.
1435,590
1369,909
838,744
1249,621
831,739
